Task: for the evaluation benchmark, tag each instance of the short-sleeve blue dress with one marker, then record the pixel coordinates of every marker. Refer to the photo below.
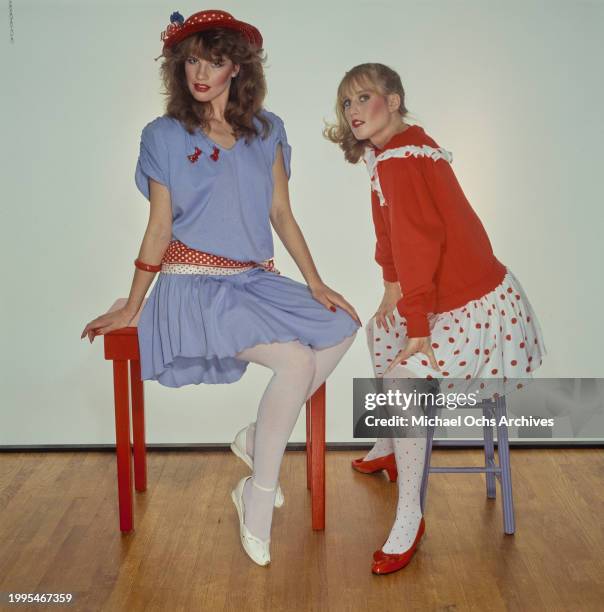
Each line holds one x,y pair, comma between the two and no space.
193,325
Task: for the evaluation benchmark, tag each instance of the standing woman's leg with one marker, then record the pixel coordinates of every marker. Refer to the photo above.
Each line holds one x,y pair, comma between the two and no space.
293,365
410,455
382,446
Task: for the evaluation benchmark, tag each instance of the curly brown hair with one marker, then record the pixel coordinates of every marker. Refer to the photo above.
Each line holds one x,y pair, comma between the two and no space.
247,90
377,78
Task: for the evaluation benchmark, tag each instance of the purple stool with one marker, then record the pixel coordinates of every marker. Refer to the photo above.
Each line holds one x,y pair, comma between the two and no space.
490,409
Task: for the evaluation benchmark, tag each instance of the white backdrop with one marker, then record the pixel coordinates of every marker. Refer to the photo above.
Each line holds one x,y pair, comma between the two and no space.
513,89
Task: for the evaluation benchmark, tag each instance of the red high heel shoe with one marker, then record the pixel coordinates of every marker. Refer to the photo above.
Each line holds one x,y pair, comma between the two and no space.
386,563
379,553
386,462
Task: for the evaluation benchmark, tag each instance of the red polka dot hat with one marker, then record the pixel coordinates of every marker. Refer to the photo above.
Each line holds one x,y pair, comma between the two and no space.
179,29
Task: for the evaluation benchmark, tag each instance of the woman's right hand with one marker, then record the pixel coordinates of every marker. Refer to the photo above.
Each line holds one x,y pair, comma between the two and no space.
385,311
122,317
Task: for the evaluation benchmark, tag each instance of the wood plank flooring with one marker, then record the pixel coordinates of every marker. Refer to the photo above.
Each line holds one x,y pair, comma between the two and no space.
59,533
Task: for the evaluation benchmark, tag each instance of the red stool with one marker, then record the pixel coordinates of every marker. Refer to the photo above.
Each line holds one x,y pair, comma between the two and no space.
121,347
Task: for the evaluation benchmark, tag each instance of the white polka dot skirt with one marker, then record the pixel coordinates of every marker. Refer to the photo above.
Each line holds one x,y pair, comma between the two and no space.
497,336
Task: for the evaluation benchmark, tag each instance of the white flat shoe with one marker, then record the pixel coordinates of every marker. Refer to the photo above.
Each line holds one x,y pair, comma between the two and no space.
239,448
256,549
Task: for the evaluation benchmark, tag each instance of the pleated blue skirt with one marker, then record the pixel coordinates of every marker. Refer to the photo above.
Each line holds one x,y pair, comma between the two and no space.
193,325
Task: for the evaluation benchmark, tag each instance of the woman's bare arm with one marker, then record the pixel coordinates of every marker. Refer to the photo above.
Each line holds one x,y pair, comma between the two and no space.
155,242
286,226
288,230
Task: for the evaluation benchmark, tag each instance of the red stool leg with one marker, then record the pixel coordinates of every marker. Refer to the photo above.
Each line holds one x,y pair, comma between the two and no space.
122,443
138,426
308,443
317,452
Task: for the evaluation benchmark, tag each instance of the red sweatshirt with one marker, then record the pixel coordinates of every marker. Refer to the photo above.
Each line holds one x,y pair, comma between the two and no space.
429,238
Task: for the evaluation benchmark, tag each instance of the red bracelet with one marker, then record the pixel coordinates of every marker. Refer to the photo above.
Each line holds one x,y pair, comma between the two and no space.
147,267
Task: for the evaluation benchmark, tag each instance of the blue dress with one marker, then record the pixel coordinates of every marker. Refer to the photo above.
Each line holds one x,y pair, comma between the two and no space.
193,325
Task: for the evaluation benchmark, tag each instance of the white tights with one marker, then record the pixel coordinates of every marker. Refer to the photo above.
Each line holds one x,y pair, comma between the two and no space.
298,371
410,454
382,446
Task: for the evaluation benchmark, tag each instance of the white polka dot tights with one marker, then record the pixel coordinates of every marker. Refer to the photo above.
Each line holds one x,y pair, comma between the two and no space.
410,456
382,447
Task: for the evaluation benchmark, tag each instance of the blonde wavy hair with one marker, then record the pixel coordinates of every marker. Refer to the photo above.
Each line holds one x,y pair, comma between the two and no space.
374,77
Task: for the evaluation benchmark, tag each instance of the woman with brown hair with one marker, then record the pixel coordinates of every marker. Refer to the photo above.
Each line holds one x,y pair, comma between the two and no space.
215,168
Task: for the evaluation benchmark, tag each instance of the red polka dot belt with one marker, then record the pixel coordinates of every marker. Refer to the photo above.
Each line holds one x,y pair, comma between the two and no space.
181,259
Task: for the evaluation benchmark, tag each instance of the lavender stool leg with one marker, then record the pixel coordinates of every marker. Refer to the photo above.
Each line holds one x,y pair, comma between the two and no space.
503,452
430,412
489,453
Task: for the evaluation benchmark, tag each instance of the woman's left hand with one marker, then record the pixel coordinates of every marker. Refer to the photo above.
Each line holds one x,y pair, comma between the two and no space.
330,299
414,345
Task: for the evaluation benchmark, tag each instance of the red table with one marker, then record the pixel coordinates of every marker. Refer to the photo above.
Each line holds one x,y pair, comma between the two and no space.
121,347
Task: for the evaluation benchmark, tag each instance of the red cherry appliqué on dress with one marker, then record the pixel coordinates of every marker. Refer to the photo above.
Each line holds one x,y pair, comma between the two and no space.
215,154
194,156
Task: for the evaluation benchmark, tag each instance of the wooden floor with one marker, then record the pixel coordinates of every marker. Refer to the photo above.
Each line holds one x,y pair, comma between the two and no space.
59,533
